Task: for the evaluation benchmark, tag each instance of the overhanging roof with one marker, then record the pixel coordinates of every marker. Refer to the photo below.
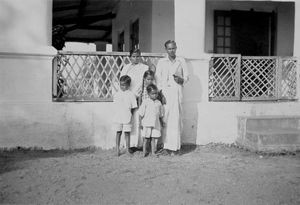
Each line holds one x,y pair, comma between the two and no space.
85,20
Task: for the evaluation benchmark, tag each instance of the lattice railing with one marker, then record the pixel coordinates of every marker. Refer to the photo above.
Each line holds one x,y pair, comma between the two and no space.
224,75
90,76
288,79
232,77
258,78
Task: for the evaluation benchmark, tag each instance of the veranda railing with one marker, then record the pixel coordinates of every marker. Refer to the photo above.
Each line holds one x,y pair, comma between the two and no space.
90,76
236,77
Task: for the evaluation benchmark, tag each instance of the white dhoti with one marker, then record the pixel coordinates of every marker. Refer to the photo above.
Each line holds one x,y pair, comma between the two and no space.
135,135
173,110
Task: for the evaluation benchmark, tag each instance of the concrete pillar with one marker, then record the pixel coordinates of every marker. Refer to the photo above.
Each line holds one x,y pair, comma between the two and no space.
25,26
297,29
190,27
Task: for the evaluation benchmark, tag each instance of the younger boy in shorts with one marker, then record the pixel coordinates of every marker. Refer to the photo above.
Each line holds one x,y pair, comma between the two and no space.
124,104
151,113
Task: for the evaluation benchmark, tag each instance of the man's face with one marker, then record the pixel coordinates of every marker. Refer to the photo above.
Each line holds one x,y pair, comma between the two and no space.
171,49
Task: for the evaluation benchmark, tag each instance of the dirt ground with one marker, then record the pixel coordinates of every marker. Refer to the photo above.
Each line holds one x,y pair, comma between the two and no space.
211,174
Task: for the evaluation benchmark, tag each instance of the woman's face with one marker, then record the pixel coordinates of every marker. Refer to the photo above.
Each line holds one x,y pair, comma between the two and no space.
148,80
135,58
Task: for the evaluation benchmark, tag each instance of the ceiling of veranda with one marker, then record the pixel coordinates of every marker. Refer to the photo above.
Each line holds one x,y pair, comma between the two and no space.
83,20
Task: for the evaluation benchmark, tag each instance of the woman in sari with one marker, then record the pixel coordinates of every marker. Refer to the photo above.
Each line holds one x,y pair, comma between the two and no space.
135,70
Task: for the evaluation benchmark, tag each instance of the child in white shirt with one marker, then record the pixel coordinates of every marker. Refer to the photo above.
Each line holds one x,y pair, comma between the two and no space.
151,113
124,104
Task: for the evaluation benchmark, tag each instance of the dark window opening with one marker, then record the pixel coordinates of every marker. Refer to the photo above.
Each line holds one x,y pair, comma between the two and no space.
121,42
134,35
248,33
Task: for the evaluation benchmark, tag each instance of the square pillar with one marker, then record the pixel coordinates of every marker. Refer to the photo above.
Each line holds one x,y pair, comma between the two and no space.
297,30
190,27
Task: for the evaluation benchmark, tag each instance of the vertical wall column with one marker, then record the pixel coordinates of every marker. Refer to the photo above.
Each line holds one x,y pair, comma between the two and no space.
297,42
297,30
190,27
25,26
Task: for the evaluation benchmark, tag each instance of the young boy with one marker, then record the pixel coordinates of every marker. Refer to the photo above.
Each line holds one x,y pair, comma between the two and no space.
124,104
151,112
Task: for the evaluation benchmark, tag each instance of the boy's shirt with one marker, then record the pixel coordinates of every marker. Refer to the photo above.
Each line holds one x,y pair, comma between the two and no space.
151,111
124,101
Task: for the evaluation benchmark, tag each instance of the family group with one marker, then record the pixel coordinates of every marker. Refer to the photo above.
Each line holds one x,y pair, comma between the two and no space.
148,105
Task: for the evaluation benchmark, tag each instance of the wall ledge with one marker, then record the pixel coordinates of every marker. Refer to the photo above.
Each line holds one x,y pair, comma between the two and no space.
39,51
197,56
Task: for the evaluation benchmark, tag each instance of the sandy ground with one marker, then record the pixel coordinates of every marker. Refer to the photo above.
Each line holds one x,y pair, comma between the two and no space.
212,174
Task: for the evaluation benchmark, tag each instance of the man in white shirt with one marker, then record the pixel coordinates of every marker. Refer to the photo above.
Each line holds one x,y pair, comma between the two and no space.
171,74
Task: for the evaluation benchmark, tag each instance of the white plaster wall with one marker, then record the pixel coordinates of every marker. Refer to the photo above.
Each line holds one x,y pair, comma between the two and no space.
162,24
205,121
285,32
190,27
285,19
297,30
127,13
24,24
28,117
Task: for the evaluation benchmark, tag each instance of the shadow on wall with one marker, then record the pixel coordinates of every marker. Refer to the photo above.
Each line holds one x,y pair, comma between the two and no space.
192,96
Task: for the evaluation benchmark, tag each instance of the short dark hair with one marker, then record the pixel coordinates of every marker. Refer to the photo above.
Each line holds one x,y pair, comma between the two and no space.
168,42
136,51
125,79
147,73
151,88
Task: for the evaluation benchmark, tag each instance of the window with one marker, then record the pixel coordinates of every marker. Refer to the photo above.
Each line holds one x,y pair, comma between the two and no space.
222,32
249,33
134,35
239,78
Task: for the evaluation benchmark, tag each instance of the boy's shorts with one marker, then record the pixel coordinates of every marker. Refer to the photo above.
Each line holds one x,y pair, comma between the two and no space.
122,127
148,132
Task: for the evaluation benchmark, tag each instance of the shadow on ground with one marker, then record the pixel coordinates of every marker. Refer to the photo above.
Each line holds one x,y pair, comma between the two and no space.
187,148
9,158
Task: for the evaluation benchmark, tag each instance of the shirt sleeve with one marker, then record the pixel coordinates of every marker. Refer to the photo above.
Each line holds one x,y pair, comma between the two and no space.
142,109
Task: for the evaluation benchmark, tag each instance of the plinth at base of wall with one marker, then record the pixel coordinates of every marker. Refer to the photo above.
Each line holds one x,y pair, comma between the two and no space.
269,133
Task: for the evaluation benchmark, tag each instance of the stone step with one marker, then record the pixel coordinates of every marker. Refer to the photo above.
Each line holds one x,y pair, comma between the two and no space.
273,123
269,133
274,131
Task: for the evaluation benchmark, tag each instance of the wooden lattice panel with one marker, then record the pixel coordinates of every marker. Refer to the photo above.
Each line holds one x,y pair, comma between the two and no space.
288,80
90,76
224,74
258,78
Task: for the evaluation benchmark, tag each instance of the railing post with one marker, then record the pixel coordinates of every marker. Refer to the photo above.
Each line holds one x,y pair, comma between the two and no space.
279,77
54,76
238,77
297,78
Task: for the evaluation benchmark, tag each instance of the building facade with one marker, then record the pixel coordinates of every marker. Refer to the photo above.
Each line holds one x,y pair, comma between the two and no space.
30,117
